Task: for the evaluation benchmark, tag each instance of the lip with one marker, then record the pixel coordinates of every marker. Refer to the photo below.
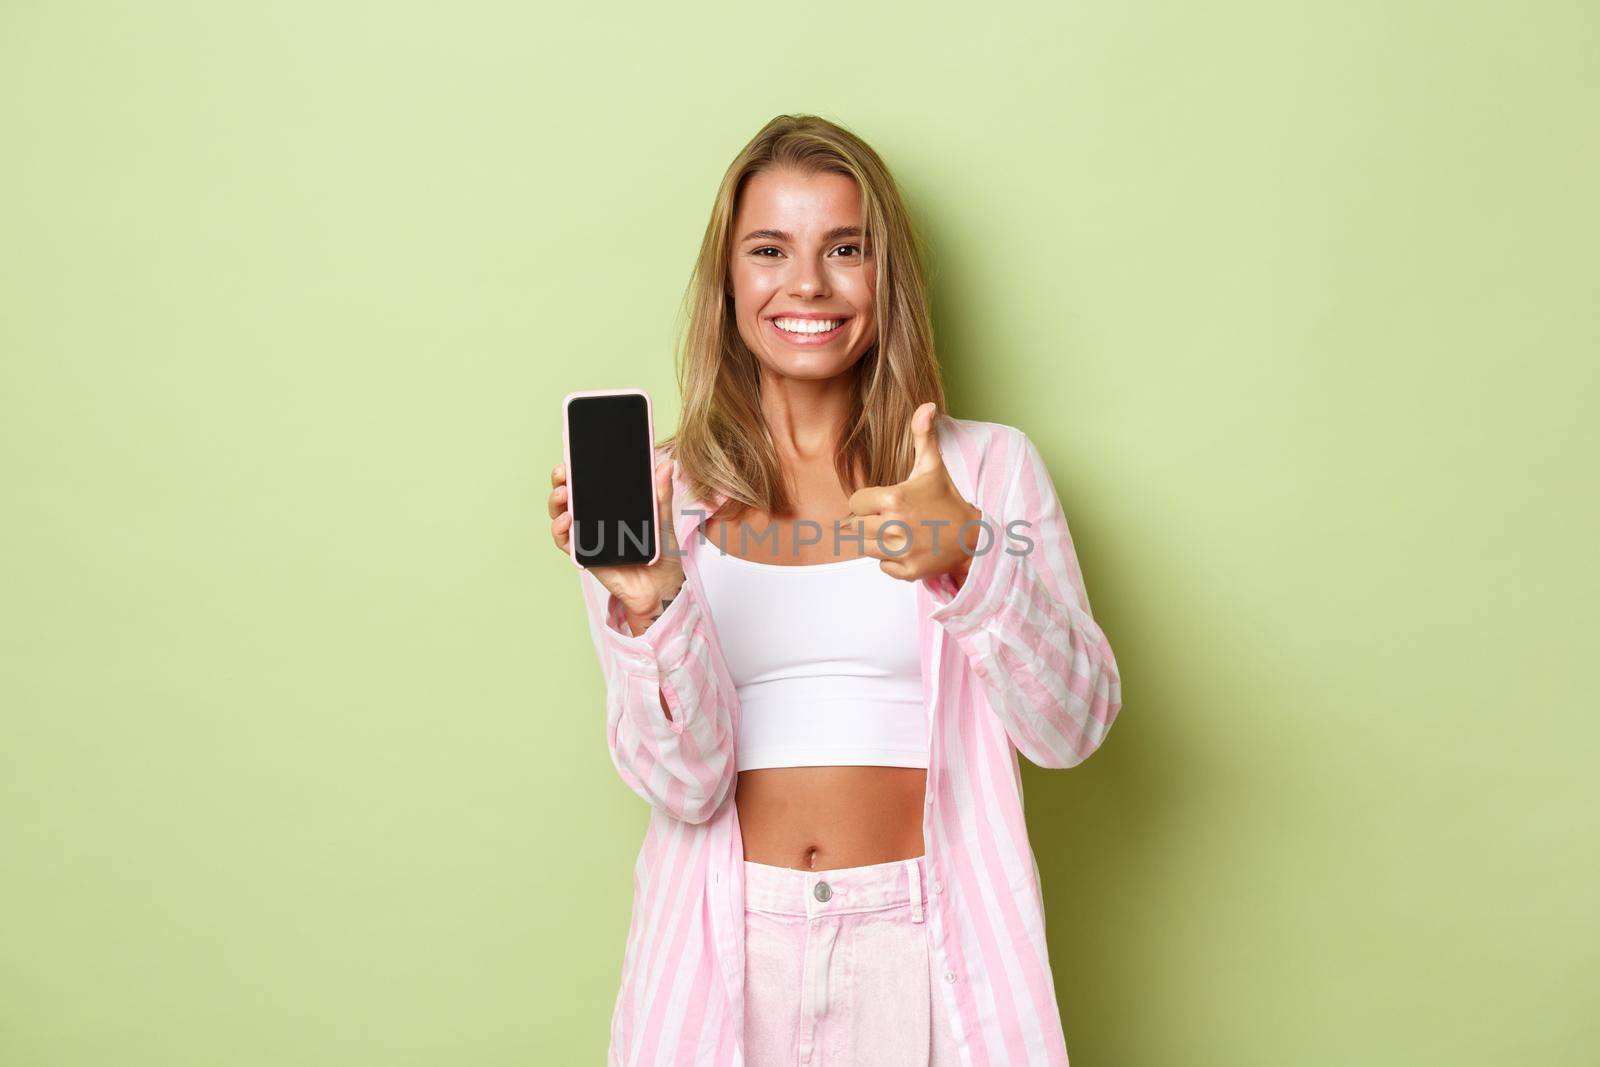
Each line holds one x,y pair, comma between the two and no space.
808,338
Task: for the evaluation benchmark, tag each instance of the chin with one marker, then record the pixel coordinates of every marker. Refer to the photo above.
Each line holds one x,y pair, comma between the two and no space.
810,369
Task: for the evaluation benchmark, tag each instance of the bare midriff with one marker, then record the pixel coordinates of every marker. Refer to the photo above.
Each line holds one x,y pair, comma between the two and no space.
822,818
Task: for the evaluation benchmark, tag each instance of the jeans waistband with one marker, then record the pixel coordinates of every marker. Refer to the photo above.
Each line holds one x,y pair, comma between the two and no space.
843,890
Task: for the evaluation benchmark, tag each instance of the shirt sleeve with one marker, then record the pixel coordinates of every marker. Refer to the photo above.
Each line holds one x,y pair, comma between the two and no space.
683,766
1022,619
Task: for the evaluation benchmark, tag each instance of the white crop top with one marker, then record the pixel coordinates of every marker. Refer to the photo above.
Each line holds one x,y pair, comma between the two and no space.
825,660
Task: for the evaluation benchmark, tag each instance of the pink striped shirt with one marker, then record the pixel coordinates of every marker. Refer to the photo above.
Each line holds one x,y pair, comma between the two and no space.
1013,661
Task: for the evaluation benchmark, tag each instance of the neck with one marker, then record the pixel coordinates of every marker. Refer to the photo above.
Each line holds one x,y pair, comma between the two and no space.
807,416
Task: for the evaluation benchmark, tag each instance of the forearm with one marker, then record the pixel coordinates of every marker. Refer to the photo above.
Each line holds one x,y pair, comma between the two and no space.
1023,620
637,624
681,762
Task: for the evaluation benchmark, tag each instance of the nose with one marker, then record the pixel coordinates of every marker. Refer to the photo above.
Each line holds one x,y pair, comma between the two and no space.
808,279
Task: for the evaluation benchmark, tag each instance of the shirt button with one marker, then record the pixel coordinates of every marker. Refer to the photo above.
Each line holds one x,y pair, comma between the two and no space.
938,887
949,976
822,891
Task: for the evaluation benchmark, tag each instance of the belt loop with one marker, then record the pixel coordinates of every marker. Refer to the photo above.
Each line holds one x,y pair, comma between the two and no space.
914,877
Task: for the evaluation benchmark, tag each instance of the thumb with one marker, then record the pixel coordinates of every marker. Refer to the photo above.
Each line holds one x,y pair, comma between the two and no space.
925,441
664,510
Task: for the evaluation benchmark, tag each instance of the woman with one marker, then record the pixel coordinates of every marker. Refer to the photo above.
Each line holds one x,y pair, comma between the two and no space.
823,695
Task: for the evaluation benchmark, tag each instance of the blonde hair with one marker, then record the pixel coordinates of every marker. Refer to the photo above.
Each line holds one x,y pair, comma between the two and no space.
723,446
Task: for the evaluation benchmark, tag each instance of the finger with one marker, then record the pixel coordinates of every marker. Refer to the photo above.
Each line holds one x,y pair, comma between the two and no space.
881,535
558,474
874,499
897,568
561,530
924,440
664,511
886,550
558,501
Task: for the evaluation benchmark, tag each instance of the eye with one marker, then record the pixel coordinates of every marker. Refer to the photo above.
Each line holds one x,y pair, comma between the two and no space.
853,250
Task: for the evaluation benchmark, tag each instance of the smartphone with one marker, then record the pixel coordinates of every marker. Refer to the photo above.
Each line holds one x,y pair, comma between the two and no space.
608,440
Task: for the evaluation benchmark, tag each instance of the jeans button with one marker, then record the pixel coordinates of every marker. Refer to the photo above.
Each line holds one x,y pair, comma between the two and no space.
938,887
949,976
822,891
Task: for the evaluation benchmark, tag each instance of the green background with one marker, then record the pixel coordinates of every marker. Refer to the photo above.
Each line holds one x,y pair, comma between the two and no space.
302,756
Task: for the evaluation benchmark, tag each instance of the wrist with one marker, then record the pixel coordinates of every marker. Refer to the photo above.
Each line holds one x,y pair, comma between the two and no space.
958,573
970,534
639,620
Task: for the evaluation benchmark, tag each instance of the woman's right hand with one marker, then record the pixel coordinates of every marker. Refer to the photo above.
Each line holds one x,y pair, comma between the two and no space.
643,590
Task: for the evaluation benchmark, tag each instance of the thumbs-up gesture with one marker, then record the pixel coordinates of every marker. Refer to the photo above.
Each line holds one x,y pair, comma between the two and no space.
921,527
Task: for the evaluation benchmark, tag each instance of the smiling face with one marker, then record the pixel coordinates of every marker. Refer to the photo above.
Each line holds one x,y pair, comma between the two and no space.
802,280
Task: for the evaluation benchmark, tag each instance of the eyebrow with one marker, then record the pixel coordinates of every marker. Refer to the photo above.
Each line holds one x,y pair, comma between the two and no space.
780,235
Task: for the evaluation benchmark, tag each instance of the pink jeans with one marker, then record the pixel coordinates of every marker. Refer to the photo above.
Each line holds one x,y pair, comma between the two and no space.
839,969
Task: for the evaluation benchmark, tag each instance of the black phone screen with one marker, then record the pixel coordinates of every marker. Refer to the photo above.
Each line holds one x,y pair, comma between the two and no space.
609,480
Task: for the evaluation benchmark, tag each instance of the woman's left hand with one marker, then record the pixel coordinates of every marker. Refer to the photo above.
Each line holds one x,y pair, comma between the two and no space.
921,527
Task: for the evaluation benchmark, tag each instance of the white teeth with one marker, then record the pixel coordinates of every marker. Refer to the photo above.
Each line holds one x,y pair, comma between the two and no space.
807,325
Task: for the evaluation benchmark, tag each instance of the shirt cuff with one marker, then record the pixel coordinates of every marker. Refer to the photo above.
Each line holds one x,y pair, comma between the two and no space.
981,594
647,652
